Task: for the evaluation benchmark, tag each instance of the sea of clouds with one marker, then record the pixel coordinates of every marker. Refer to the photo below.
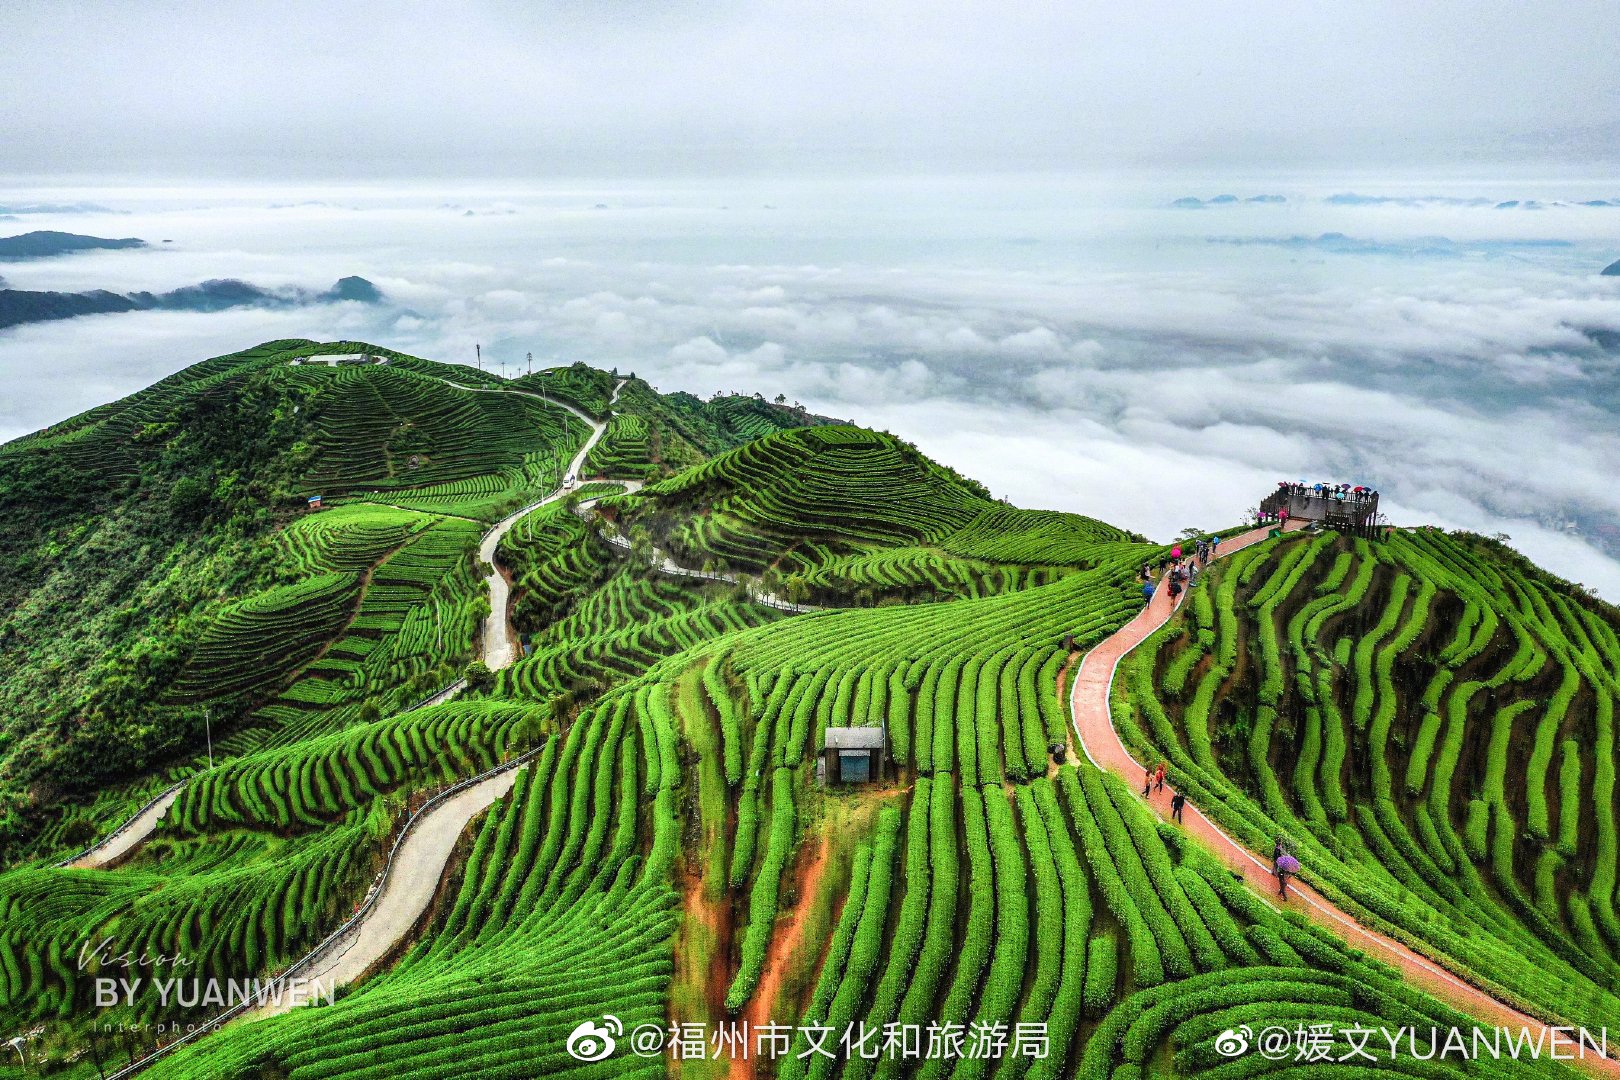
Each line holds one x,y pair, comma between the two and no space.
1075,343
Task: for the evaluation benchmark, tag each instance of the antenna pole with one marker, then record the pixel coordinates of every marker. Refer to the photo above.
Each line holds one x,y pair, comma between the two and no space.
478,350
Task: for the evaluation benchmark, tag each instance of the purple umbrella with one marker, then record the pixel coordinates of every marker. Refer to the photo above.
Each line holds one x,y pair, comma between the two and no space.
1288,864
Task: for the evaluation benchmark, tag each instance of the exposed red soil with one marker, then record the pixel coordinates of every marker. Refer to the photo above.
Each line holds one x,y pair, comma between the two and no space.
716,919
784,943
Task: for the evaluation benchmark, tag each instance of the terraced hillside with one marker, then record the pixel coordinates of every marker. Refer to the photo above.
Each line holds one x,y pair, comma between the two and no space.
160,572
654,435
672,860
839,513
1431,720
1426,718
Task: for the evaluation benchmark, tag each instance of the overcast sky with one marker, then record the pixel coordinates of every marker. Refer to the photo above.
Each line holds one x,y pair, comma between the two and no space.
522,88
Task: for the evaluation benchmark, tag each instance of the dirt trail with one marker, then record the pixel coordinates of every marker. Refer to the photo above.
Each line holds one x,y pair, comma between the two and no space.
1100,741
784,943
715,919
128,836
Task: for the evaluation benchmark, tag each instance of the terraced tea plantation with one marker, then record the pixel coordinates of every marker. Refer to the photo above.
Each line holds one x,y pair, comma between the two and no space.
1431,721
672,861
842,514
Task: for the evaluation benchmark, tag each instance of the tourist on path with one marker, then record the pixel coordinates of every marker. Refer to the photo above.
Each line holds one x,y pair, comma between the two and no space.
1147,782
1177,802
1286,866
1158,778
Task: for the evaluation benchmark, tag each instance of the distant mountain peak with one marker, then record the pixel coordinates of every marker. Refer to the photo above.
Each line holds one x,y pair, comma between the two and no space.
357,289
45,243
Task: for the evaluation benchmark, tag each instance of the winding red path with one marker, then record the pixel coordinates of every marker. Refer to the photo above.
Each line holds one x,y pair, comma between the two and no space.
1094,725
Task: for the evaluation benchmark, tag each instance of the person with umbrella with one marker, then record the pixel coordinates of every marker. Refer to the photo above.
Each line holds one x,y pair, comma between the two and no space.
1286,864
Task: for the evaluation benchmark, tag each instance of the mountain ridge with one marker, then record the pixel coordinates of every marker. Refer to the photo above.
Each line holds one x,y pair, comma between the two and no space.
19,307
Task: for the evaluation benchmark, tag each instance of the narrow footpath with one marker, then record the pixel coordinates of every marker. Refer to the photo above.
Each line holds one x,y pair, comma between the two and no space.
498,648
403,892
1102,745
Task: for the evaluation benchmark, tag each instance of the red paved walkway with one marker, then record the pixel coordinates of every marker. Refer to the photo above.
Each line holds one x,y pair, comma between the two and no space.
1101,743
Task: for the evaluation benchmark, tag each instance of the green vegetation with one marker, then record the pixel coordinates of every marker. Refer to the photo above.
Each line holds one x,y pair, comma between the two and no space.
1430,720
625,450
580,385
682,430
160,568
280,630
837,514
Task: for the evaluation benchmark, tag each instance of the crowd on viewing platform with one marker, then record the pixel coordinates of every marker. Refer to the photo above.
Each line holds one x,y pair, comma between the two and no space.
1336,492
1350,507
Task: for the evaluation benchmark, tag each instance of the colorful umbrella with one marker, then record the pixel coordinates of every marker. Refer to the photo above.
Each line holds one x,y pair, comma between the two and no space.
1288,864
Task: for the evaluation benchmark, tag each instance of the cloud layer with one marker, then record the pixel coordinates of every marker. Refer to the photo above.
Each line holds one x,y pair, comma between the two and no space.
1103,358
